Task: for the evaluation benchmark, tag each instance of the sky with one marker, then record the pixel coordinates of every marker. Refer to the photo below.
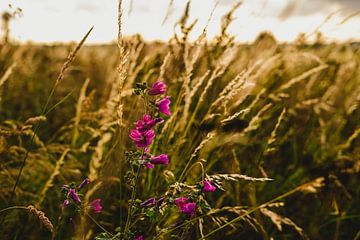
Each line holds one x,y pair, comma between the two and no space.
68,20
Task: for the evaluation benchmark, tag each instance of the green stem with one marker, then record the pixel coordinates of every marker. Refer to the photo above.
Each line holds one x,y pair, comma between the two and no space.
235,219
184,170
98,224
37,127
252,210
133,194
31,143
12,208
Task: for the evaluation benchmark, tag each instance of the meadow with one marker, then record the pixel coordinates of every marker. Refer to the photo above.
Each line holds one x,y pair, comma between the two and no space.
262,140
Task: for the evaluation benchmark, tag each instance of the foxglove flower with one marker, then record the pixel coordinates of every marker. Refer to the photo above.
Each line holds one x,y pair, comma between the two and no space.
208,187
83,184
95,205
72,194
147,123
142,140
161,159
157,88
148,203
163,106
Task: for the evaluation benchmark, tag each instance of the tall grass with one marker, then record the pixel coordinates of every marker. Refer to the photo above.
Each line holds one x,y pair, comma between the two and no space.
274,126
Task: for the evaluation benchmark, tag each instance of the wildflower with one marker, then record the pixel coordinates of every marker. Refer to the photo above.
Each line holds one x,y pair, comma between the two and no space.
157,88
95,205
161,159
65,204
147,123
148,203
185,206
142,139
208,187
72,194
188,208
83,184
139,237
163,105
149,165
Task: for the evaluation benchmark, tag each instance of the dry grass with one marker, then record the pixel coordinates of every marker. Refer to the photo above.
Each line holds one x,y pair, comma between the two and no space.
242,115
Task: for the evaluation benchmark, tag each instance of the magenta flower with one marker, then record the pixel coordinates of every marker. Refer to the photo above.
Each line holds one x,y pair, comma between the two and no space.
208,187
163,105
188,208
185,206
72,194
161,159
139,237
148,203
142,139
149,165
83,184
147,123
157,88
95,205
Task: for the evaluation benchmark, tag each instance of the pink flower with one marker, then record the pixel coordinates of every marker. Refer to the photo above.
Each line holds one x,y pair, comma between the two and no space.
83,184
139,237
142,139
188,208
161,159
185,206
208,187
95,205
147,123
72,194
149,165
65,204
163,105
157,88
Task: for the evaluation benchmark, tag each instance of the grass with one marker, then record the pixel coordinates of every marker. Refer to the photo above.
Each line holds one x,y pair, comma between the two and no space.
241,113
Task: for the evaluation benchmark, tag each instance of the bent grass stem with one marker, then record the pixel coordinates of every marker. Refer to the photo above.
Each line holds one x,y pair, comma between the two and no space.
235,219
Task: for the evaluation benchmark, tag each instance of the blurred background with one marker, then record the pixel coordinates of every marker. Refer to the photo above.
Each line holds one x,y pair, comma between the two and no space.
48,21
273,90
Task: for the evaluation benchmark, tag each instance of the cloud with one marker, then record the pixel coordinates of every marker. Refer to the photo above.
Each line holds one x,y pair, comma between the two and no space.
310,7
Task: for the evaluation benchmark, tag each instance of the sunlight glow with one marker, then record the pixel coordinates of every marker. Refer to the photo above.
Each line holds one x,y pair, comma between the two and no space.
68,20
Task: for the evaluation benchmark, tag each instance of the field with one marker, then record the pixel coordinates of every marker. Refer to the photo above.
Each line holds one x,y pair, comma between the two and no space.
273,127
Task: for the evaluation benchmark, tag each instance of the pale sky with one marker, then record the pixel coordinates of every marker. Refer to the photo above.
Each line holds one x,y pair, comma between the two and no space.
68,20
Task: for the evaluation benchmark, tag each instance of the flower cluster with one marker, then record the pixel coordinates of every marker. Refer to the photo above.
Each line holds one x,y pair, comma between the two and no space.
73,196
143,134
187,205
